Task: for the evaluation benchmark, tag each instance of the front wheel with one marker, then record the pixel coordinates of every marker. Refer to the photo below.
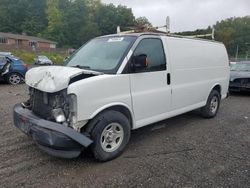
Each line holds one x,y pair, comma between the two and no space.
110,135
14,79
212,106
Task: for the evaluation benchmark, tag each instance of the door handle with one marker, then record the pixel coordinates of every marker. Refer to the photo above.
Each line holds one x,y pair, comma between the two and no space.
168,79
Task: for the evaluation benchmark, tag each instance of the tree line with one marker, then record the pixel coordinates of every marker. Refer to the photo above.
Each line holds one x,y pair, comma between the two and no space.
233,32
68,22
73,22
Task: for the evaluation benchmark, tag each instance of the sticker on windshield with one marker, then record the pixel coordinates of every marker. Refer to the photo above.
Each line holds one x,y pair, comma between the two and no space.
116,39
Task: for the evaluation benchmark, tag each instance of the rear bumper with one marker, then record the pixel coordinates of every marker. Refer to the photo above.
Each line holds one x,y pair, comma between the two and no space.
54,138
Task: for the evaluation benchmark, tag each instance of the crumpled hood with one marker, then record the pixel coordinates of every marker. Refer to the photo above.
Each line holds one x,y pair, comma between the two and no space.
239,74
53,78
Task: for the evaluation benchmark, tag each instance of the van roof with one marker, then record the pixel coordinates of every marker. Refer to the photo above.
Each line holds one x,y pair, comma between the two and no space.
159,34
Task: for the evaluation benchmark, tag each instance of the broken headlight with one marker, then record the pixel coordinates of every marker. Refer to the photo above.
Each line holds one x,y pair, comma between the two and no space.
59,115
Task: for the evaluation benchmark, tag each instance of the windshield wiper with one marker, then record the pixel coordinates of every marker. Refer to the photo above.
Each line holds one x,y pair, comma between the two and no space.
82,67
87,67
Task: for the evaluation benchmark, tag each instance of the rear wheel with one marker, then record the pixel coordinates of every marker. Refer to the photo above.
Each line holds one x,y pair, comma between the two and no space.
14,79
110,135
212,106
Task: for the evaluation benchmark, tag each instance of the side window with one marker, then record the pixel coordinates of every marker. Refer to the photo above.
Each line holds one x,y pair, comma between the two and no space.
153,48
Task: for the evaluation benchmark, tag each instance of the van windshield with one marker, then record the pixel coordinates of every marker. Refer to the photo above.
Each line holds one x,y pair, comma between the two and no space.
102,54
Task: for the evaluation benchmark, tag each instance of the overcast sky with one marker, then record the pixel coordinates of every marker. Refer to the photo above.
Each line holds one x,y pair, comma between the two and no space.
186,15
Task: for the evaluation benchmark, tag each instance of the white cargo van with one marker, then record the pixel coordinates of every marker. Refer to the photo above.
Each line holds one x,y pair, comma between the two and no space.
117,83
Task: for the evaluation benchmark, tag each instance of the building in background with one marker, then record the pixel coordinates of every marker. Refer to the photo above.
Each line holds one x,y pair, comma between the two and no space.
26,42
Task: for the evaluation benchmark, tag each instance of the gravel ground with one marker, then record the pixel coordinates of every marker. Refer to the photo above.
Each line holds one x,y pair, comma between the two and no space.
185,151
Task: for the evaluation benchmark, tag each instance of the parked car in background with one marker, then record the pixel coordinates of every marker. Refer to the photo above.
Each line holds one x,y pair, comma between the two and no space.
5,53
43,60
240,76
12,69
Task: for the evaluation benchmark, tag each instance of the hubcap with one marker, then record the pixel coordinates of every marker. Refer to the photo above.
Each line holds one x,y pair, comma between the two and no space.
214,104
112,137
14,79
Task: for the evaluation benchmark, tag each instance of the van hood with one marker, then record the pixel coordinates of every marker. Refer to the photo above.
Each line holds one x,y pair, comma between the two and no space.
55,78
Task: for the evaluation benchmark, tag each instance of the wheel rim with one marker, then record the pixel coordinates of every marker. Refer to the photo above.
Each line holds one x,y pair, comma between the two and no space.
214,104
14,79
112,137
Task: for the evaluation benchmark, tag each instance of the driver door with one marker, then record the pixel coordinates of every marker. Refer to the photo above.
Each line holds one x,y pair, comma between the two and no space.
150,88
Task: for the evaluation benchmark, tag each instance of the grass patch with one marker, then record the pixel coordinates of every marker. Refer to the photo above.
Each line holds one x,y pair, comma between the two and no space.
28,57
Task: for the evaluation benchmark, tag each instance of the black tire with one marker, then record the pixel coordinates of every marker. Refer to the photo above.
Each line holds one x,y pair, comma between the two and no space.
101,123
210,111
14,78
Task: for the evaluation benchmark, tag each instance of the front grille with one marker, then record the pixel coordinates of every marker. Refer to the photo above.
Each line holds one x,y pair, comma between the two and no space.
242,81
42,104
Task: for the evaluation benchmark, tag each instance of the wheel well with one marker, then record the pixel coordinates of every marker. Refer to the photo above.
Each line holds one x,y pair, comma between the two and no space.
9,73
124,111
14,73
217,88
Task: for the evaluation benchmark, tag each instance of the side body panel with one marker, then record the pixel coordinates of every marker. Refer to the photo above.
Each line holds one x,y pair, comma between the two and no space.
18,67
197,66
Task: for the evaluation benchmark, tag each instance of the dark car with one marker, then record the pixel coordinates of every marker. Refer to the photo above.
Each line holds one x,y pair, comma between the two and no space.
240,76
12,69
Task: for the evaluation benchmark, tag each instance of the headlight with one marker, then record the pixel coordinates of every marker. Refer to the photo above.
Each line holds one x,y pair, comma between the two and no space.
59,115
74,122
73,108
72,103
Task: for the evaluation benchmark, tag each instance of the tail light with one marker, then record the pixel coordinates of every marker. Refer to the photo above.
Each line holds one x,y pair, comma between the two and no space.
26,66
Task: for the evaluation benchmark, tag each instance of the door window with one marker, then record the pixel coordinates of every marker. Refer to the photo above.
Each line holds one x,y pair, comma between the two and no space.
153,48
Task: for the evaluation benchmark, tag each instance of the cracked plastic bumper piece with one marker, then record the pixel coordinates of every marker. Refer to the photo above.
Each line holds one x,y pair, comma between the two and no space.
54,138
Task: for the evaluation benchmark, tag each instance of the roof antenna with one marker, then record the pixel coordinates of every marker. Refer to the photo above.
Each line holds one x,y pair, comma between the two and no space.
168,24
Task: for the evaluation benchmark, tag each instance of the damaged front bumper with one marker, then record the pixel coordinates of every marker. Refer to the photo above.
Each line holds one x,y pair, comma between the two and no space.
54,138
239,84
238,88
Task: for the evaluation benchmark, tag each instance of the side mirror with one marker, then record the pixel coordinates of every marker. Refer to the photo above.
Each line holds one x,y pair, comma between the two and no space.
139,62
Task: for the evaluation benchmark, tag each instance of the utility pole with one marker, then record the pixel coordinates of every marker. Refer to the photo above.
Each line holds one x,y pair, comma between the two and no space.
237,52
247,43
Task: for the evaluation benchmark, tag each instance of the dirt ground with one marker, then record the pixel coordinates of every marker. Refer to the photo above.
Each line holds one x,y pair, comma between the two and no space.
185,151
